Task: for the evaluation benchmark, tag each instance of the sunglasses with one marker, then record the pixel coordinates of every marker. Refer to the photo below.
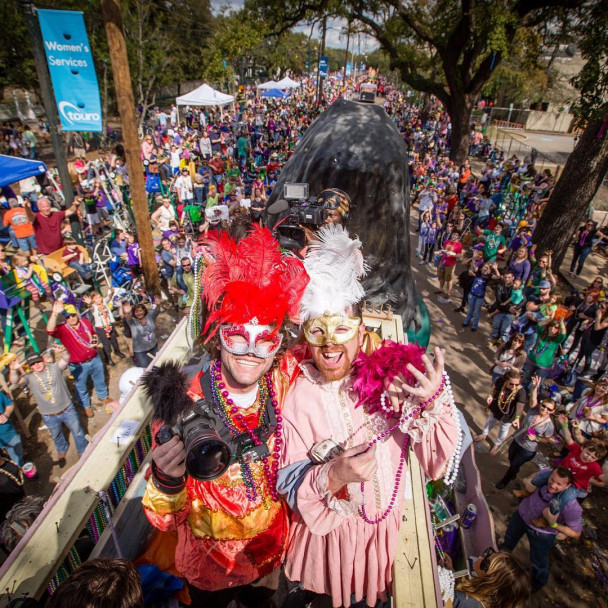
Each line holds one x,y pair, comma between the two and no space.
485,562
547,408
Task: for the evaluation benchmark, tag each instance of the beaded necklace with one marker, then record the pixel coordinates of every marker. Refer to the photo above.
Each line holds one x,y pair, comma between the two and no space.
538,353
45,384
79,338
402,457
236,424
504,400
586,404
17,479
107,326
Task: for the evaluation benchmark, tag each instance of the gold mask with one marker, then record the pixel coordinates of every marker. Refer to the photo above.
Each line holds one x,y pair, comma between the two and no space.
323,330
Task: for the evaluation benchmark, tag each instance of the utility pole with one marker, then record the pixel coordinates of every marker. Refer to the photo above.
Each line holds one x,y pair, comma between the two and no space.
320,83
126,108
346,55
48,100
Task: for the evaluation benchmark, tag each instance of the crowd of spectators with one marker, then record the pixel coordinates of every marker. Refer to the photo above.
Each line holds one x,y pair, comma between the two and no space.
210,167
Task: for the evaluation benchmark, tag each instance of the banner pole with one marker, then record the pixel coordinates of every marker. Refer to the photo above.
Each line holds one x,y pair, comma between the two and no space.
126,107
48,100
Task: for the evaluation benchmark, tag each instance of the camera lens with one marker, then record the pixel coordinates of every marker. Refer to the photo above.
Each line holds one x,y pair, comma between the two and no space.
207,455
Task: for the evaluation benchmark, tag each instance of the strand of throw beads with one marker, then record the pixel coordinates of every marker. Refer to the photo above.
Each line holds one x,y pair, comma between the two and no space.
454,462
413,412
446,583
266,390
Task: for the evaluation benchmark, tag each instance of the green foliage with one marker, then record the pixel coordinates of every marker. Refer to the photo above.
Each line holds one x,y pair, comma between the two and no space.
592,80
519,78
16,59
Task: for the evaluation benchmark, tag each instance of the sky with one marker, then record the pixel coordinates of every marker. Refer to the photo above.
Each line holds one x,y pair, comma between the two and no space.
335,36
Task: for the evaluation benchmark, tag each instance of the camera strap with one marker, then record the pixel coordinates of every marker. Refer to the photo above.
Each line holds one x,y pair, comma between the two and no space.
269,420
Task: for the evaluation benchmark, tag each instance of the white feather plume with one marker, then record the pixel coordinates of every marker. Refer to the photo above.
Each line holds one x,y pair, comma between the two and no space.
335,266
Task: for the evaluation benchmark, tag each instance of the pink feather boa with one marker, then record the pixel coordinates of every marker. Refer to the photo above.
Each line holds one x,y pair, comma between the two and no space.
390,359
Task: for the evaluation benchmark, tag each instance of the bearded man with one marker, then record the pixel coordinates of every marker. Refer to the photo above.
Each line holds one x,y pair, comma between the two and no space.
231,523
343,465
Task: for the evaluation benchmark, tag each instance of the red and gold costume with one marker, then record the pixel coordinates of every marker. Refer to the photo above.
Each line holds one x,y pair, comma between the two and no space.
228,533
224,539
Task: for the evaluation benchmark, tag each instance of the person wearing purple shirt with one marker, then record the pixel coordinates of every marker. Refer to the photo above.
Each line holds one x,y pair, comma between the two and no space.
133,255
520,265
569,523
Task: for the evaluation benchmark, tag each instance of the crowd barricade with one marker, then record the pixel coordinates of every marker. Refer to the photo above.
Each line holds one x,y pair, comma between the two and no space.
505,124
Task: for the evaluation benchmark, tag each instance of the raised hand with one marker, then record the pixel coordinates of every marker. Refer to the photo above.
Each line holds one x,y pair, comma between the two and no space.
57,307
428,383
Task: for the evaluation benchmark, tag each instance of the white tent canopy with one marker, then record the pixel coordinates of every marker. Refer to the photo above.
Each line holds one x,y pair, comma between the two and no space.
204,96
271,84
287,83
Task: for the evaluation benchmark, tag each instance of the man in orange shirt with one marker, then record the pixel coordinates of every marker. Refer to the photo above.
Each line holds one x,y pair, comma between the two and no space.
17,219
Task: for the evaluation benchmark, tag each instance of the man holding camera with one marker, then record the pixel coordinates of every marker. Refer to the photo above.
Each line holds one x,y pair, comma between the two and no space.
214,480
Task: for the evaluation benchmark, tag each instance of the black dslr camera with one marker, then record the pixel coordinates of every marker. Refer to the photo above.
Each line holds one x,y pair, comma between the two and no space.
210,446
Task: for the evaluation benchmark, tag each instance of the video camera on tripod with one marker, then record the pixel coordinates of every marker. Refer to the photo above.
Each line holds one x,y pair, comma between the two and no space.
298,210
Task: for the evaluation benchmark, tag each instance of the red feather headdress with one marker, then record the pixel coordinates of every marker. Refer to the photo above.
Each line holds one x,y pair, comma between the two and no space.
251,279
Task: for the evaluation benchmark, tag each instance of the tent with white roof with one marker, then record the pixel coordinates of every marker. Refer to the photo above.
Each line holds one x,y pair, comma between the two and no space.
204,96
271,84
287,83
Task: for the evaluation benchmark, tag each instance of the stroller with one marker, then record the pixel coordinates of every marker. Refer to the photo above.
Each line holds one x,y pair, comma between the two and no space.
120,275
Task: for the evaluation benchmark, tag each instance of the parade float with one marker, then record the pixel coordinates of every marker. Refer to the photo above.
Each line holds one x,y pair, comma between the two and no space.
355,148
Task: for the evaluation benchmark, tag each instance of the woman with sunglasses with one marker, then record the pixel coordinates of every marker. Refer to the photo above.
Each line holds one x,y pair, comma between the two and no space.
500,581
537,427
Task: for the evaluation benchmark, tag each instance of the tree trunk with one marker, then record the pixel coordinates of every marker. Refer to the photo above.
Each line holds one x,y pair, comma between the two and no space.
460,116
580,180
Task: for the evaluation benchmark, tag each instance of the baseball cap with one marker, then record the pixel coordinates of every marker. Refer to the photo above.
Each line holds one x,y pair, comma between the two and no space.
544,285
33,358
69,309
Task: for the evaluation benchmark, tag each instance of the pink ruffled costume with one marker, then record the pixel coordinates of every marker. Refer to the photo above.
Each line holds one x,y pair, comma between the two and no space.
331,549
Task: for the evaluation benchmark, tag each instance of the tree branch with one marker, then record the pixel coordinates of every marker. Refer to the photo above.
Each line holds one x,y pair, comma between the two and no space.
421,29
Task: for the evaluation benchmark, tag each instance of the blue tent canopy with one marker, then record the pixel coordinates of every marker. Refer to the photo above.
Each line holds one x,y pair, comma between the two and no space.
274,93
13,168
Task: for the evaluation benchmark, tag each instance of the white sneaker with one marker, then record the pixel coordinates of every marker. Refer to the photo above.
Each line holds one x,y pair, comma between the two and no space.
421,262
444,300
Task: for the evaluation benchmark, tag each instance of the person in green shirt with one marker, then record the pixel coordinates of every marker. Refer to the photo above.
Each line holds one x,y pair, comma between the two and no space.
230,186
544,353
242,148
541,271
494,244
213,199
233,170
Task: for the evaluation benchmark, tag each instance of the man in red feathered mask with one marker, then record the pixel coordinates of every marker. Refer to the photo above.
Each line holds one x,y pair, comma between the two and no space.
348,421
215,456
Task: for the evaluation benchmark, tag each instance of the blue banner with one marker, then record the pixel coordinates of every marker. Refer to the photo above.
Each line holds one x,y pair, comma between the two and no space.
348,68
323,61
72,71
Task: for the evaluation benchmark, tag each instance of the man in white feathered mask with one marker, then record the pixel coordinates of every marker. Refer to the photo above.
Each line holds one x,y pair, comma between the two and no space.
349,419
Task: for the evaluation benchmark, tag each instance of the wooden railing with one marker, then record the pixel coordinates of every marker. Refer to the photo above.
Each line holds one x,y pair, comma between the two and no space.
109,466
